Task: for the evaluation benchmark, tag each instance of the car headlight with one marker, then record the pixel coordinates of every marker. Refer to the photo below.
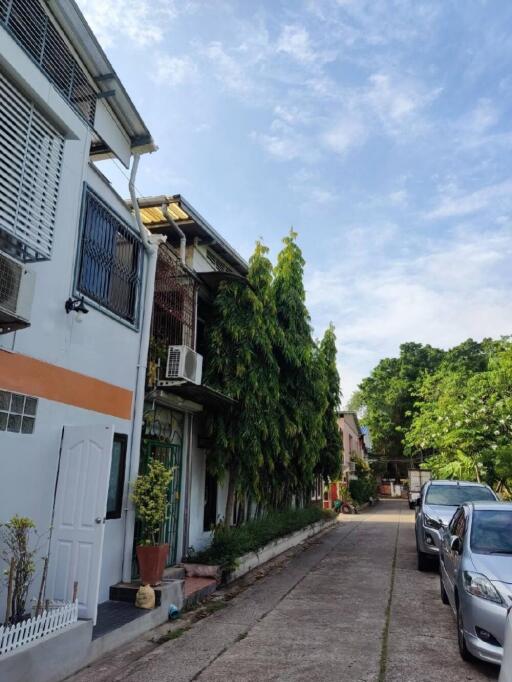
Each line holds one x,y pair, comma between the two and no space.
480,586
432,523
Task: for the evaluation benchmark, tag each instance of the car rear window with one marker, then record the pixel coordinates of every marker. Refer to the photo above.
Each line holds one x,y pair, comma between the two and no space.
453,495
491,532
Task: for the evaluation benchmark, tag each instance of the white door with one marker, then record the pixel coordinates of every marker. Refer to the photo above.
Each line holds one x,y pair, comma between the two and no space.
79,516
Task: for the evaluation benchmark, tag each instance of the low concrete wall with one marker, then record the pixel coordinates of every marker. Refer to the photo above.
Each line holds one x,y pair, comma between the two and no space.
50,659
63,653
250,561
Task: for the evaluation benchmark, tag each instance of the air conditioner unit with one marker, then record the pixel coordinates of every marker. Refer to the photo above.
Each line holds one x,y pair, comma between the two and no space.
183,364
16,294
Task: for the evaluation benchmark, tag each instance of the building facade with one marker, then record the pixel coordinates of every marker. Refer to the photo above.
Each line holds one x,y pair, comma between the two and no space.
191,265
75,269
354,446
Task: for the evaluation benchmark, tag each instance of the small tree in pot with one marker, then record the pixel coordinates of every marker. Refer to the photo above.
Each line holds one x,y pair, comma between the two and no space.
150,499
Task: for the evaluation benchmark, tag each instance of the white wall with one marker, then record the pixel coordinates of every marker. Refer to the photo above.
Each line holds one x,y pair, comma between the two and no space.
100,347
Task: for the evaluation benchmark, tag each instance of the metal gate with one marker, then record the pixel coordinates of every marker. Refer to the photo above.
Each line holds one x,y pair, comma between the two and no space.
170,455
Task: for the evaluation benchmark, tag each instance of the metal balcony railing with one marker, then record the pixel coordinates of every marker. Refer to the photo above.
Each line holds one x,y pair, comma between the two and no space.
29,24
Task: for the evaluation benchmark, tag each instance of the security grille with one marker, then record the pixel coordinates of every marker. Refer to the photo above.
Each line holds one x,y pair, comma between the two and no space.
10,277
29,24
110,260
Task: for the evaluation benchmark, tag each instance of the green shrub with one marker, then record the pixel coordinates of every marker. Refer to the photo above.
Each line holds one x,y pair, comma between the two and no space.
150,499
362,489
229,544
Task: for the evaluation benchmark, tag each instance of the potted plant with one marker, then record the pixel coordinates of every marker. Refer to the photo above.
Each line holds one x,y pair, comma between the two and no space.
150,499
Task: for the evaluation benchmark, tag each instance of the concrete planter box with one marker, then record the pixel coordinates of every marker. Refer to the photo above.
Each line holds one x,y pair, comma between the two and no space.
252,560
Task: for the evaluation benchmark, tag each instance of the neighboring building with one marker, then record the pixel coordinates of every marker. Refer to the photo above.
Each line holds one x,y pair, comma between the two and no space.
353,442
68,392
191,265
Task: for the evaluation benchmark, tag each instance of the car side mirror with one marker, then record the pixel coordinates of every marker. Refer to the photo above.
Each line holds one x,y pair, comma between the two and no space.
456,544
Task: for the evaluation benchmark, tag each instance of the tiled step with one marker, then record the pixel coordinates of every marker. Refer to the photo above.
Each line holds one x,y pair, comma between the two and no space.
197,589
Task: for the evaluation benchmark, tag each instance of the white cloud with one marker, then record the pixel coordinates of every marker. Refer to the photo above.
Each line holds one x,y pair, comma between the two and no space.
228,70
295,41
173,71
398,198
142,22
465,204
348,132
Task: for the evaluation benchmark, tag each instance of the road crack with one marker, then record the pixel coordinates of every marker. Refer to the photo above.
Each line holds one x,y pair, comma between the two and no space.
385,632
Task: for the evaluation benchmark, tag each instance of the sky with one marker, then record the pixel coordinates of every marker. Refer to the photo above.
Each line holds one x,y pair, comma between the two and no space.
380,130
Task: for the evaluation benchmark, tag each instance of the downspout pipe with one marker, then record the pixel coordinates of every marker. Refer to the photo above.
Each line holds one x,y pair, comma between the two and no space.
151,244
183,239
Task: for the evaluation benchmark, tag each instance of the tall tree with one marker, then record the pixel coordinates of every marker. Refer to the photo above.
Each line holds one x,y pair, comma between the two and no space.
463,416
329,464
242,364
388,396
300,385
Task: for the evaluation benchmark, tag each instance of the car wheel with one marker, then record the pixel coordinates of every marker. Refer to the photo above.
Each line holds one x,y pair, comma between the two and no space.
465,653
444,596
423,561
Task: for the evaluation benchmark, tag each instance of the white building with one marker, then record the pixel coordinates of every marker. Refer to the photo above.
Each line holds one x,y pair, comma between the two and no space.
71,394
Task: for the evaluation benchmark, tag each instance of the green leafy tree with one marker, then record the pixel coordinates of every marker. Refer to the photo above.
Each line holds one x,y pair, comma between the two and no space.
463,418
241,363
330,457
387,396
301,392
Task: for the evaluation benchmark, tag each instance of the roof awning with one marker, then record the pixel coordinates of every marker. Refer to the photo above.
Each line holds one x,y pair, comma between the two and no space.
202,394
214,278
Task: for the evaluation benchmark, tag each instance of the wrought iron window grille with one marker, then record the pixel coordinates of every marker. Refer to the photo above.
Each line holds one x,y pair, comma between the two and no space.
110,260
29,24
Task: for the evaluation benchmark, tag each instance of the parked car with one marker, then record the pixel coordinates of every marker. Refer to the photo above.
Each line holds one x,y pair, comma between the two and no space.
475,570
506,663
435,507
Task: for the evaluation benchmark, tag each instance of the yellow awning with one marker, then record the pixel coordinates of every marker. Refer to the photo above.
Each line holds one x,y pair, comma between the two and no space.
152,215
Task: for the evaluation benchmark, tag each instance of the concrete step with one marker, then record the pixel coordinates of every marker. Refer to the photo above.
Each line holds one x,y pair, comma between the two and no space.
197,589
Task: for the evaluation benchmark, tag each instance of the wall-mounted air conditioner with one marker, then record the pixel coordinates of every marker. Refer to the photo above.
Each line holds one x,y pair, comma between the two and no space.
16,294
183,364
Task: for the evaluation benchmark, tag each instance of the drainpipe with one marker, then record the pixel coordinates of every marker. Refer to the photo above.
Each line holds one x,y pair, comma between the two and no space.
151,243
183,239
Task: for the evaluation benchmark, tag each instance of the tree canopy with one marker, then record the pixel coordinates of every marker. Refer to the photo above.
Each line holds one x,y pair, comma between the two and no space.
261,352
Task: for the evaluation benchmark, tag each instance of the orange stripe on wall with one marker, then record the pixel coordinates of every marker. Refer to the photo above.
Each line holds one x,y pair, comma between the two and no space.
23,374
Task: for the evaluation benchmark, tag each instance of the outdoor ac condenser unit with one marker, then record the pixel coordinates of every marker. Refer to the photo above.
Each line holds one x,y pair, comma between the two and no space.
16,294
183,363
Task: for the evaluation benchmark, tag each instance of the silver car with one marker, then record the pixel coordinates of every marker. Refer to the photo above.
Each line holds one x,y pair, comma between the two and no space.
436,505
475,566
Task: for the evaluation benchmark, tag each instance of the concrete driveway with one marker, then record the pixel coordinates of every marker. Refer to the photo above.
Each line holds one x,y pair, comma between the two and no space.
352,607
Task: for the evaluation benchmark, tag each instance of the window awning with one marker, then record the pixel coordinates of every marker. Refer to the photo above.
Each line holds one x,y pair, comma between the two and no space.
202,394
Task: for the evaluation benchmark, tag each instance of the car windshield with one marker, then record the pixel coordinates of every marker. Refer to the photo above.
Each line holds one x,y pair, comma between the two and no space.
453,495
491,532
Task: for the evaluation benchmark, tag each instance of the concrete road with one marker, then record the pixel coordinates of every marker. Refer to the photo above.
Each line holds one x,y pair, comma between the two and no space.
351,607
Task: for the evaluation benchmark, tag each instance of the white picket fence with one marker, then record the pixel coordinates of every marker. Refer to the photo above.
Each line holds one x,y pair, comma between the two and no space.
15,636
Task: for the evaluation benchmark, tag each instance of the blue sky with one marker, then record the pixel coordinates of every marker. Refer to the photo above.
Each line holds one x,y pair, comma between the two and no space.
379,129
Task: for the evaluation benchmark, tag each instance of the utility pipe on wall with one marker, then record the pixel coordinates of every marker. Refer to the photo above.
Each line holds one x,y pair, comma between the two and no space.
151,243
183,239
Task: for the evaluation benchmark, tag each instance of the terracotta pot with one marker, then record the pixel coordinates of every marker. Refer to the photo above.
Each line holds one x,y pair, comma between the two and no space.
152,560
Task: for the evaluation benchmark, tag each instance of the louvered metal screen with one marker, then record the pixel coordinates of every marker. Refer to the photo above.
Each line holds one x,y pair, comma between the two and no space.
29,24
30,164
110,260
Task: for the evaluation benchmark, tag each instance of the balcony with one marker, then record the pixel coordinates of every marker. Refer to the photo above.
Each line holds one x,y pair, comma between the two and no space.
174,312
31,27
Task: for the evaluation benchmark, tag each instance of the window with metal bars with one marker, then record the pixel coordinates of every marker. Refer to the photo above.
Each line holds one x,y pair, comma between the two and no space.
31,152
29,24
110,261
